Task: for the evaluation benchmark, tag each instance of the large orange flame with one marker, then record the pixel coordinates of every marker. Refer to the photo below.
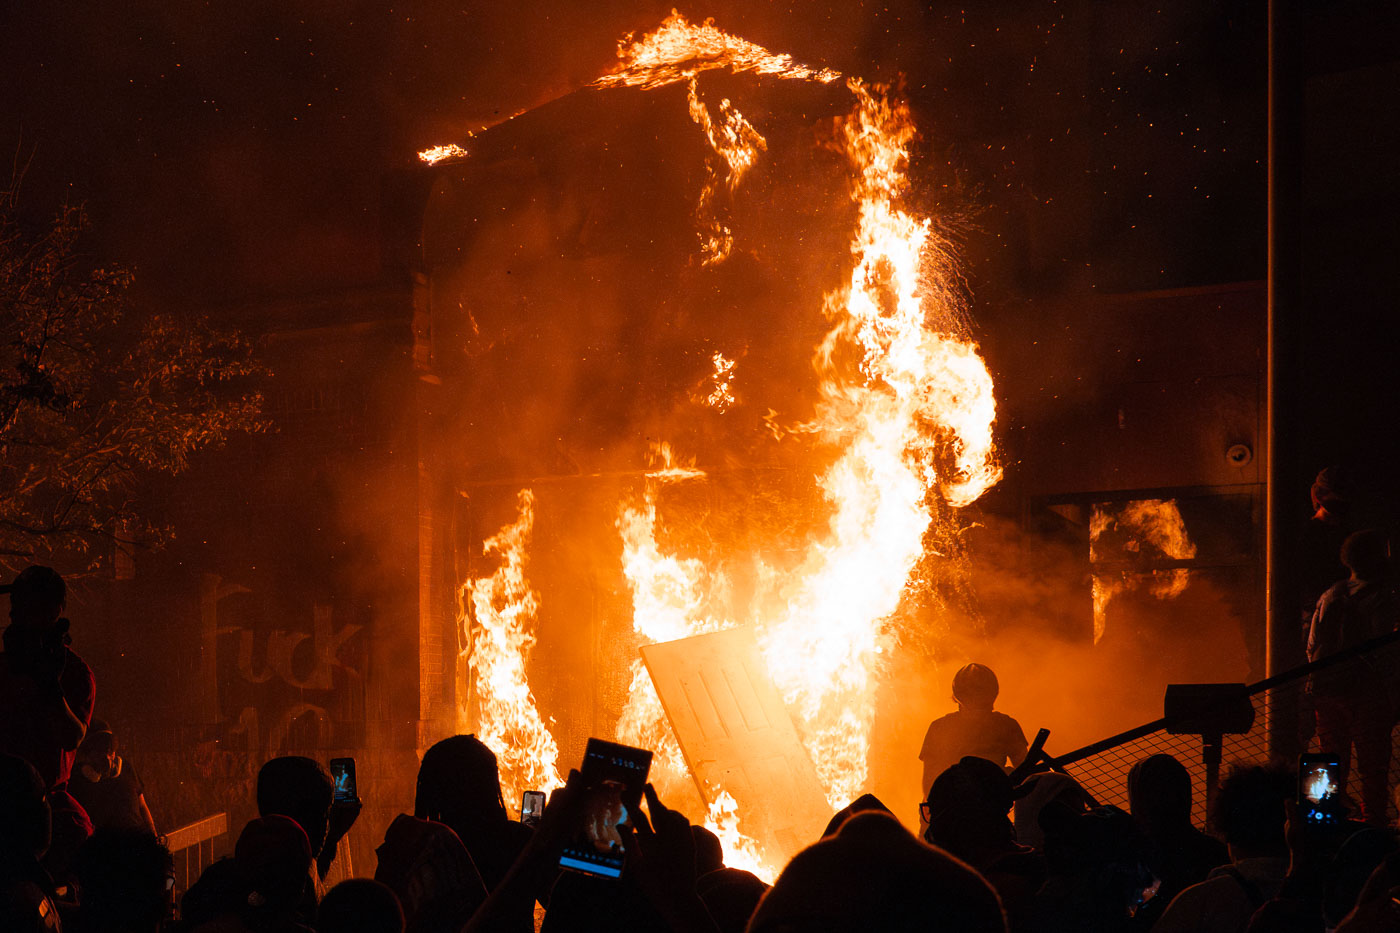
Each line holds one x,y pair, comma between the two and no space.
920,388
669,602
909,421
497,615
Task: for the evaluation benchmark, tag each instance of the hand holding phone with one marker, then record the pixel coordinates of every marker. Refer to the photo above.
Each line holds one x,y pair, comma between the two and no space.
343,781
611,774
532,807
1320,791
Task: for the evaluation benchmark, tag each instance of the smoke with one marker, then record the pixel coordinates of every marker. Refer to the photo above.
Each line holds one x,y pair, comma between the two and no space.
1033,599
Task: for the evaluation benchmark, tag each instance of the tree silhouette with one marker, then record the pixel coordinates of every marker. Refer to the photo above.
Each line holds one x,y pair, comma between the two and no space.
96,392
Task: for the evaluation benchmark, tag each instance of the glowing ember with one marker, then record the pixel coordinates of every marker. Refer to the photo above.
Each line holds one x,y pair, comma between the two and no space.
721,396
497,617
435,154
1156,523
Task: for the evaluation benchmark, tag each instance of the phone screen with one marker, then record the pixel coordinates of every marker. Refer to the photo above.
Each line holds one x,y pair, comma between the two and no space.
610,773
532,807
1319,790
343,780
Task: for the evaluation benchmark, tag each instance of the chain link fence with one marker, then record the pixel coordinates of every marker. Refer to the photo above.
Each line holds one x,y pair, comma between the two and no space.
1366,677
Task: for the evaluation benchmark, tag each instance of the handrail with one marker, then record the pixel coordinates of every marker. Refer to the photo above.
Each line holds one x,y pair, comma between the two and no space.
1253,689
192,834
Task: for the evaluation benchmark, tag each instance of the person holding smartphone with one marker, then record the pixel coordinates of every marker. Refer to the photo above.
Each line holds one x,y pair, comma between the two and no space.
300,788
1352,702
459,785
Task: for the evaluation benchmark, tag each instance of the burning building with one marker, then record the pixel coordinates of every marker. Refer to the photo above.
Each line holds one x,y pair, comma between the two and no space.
701,369
686,358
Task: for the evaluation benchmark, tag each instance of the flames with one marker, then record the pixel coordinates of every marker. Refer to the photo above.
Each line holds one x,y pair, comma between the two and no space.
904,421
1156,523
721,396
670,600
737,144
435,154
920,389
740,851
679,50
497,618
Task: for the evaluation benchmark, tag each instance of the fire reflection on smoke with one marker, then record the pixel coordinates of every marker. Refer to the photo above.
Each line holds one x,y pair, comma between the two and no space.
1145,525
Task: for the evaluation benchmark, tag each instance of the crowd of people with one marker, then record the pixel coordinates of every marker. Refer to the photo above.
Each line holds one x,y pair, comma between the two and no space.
1000,852
1007,843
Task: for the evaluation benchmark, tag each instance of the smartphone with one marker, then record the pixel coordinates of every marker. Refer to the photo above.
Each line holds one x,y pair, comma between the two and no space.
1319,790
343,780
611,774
1144,894
532,807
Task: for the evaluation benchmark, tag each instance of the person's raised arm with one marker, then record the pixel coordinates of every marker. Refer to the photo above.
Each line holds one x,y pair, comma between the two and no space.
146,814
343,815
557,824
661,857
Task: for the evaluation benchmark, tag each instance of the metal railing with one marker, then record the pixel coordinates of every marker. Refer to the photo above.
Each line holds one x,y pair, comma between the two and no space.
194,846
1102,767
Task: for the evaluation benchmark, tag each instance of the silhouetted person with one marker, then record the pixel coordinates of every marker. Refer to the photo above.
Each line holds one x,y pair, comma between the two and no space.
124,876
859,805
360,905
459,786
873,875
46,697
967,814
273,861
298,787
107,785
1356,860
1159,796
216,902
730,894
431,873
27,900
1249,813
1097,874
1329,525
1038,792
709,851
1351,700
975,729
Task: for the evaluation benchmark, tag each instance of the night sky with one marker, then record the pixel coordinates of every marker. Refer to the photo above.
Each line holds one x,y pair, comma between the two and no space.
234,151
